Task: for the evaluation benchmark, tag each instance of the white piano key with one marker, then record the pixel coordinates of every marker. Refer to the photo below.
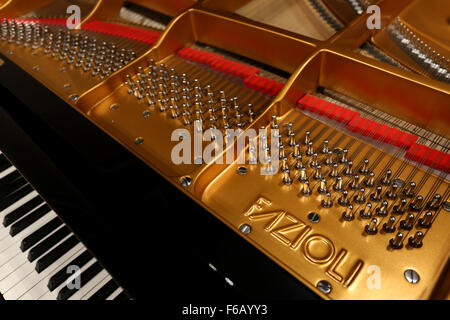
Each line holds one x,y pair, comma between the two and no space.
54,294
84,290
97,287
115,294
7,171
27,284
22,272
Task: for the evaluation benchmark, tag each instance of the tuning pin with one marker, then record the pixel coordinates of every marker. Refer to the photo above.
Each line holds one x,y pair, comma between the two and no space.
409,192
426,221
325,149
355,182
322,186
297,152
290,130
274,124
408,223
416,204
434,203
400,209
387,178
365,167
329,158
306,191
314,161
287,180
371,228
310,149
303,175
334,171
360,197
337,186
343,201
382,211
281,151
366,213
349,168
292,139
186,118
348,214
389,226
284,164
298,162
251,113
392,193
397,242
307,138
370,180
162,104
416,240
344,156
318,173
327,203
376,196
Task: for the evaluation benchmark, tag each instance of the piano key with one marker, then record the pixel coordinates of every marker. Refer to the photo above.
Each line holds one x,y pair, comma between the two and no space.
90,285
61,276
86,276
48,243
98,287
15,215
4,163
35,285
14,197
17,204
8,170
11,183
53,294
9,247
56,253
105,291
115,294
29,219
17,276
41,233
122,296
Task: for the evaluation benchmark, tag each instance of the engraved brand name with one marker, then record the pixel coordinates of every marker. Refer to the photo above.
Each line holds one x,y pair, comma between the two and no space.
298,236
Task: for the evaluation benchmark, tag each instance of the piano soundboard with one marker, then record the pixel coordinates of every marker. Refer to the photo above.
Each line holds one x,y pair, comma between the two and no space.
323,143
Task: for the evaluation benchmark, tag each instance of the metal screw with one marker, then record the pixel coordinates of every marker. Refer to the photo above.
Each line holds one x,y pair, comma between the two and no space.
139,140
412,276
186,181
146,114
67,86
73,97
114,107
245,228
324,286
313,217
36,68
242,171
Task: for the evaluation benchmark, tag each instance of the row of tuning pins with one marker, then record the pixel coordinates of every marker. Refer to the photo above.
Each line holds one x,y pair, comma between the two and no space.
81,51
166,90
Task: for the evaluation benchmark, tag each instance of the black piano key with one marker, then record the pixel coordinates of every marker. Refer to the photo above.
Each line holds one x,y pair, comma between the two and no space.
105,291
12,187
40,234
14,197
56,253
29,219
86,276
62,274
15,215
46,244
4,163
122,296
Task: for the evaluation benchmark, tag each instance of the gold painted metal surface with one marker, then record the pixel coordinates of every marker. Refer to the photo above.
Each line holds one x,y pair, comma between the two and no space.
104,9
17,8
171,8
332,249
